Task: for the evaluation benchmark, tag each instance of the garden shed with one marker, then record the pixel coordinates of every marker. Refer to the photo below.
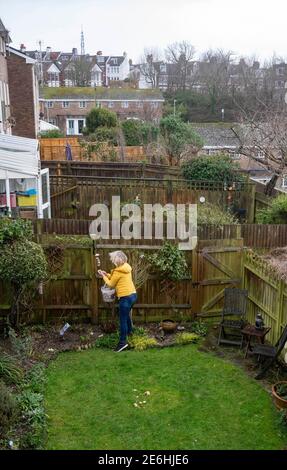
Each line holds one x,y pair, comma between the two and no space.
24,186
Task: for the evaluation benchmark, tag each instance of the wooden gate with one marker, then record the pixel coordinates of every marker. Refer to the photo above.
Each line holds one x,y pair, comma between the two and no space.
218,264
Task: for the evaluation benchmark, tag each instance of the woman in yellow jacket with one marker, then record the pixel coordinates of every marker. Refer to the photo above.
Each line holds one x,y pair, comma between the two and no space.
120,278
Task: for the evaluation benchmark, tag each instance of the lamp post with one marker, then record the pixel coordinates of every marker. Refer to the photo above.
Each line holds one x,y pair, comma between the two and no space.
174,101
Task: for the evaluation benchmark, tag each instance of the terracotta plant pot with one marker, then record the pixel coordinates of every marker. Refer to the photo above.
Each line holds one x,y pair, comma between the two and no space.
169,326
280,403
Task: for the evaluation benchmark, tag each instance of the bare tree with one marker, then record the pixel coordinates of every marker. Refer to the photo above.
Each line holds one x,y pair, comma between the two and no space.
181,54
79,71
263,137
149,66
215,74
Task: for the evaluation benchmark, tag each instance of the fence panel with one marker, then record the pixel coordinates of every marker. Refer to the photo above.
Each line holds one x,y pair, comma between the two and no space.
267,294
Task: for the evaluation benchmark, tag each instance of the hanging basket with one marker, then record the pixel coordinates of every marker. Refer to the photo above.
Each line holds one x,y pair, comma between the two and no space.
109,295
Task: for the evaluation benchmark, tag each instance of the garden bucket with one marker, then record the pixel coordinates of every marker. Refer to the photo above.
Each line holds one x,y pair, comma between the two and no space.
108,294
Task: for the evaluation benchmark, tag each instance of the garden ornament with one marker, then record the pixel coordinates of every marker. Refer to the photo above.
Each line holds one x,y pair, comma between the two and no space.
63,330
259,322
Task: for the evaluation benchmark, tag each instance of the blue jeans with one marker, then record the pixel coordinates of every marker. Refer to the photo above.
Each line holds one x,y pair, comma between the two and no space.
125,305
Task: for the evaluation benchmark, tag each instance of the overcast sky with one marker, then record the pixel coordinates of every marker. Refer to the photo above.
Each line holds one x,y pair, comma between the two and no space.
246,27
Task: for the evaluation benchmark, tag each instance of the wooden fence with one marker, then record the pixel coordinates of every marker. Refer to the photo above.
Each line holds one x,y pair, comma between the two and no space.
267,294
112,169
73,292
253,235
72,197
55,150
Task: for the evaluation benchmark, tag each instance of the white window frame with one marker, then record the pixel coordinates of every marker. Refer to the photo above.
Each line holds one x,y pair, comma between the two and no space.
65,104
75,125
50,104
110,104
260,154
47,205
125,104
284,181
82,104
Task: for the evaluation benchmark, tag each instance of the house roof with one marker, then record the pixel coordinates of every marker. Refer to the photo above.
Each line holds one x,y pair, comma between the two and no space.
100,93
119,60
217,135
28,59
4,32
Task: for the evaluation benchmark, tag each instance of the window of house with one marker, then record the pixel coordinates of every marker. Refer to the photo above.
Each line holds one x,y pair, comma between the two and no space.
279,84
260,154
50,104
140,104
154,104
66,104
111,104
284,181
125,104
234,155
100,59
83,104
98,104
163,68
53,121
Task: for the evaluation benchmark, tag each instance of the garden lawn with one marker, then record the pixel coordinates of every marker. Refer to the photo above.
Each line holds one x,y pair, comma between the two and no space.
196,401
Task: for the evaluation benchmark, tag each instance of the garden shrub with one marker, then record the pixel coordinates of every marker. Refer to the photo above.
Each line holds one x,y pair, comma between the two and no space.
218,169
22,262
52,134
103,134
109,341
177,135
8,409
22,346
139,133
169,262
276,213
141,342
186,338
15,229
100,117
211,214
10,371
32,409
199,328
35,378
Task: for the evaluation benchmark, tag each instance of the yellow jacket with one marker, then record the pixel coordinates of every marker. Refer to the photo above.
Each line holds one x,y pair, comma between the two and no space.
121,279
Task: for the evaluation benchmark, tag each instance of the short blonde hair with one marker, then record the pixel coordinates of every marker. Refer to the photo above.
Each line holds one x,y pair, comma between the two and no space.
118,258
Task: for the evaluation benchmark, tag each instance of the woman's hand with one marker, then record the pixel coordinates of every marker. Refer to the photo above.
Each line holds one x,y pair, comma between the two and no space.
102,273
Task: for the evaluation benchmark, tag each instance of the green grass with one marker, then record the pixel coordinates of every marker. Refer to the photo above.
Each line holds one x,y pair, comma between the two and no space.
197,401
99,92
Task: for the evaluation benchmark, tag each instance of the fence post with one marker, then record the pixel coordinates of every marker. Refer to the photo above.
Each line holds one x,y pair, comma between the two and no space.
251,212
279,308
194,283
94,286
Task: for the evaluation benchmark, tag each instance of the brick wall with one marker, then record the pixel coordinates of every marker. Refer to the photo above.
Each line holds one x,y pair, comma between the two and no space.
147,112
21,88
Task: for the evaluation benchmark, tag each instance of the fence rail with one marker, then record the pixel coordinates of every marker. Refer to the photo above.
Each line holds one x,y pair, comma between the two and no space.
253,235
110,169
